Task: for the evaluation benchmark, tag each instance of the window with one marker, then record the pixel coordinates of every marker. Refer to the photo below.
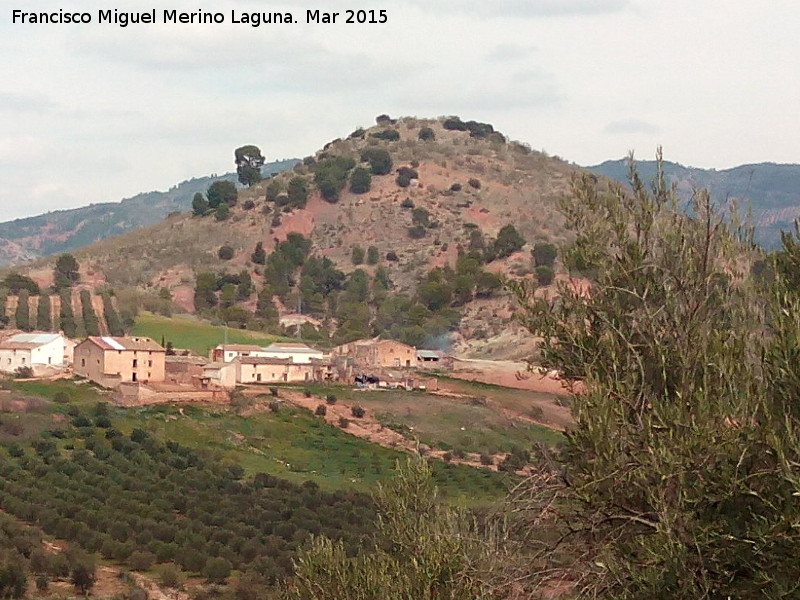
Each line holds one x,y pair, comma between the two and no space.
258,377
23,360
83,362
135,363
133,377
149,363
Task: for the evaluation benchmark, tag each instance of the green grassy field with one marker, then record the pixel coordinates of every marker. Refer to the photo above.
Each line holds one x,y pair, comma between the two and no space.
187,332
292,443
439,421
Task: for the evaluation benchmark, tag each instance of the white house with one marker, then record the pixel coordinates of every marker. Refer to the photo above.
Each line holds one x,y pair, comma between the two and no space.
32,350
227,352
298,353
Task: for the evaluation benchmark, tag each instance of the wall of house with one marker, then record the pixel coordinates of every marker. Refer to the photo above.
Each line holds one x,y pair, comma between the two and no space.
52,353
297,357
390,353
274,373
136,365
96,364
11,360
88,361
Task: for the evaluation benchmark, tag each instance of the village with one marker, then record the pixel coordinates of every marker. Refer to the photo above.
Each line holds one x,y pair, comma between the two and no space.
138,370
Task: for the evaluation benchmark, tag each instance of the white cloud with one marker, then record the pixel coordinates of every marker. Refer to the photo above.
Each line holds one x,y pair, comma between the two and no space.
628,126
586,80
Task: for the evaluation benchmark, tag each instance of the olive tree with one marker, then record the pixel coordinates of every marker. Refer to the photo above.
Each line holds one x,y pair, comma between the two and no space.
680,478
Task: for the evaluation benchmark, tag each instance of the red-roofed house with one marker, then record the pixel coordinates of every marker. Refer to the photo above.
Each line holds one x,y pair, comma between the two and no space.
110,361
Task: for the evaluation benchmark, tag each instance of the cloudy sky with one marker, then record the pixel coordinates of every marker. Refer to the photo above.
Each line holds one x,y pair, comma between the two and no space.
95,113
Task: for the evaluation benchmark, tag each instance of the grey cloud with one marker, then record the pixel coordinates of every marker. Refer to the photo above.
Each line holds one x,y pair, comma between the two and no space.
628,126
25,103
509,52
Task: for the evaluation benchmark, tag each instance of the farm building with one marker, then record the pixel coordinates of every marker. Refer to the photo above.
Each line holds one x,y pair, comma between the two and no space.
227,352
376,353
110,361
256,369
297,352
35,350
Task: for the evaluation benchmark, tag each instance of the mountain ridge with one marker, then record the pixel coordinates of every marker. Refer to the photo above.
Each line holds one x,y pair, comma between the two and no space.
54,232
770,190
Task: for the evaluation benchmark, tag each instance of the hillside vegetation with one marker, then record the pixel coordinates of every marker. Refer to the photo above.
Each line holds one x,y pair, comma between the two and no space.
22,240
427,213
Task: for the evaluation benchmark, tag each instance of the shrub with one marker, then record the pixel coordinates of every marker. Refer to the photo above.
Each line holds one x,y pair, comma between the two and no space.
225,252
344,422
221,192
372,255
456,187
217,570
321,410
141,561
416,232
486,460
273,391
407,203
405,175
454,124
420,216
390,135
169,576
274,406
545,275
330,399
447,456
331,175
274,189
357,134
357,256
222,212
426,133
391,256
259,255
297,192
61,398
307,393
380,161
474,183
508,241
249,205
358,411
544,254
23,373
384,120
360,180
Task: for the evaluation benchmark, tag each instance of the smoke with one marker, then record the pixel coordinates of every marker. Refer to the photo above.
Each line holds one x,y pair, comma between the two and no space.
443,341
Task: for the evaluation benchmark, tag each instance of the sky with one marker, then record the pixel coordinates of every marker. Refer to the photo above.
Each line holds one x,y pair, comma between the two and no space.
95,112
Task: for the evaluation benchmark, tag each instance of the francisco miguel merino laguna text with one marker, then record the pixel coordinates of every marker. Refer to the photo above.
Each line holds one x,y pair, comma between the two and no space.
198,17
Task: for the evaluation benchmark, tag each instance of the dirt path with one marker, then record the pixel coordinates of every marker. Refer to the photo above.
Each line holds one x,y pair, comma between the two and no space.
368,428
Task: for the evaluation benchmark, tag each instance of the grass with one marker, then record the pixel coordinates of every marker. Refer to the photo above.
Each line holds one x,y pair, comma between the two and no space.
292,443
448,423
199,336
295,445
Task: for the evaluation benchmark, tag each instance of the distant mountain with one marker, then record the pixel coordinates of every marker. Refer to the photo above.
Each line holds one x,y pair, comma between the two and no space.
771,191
59,231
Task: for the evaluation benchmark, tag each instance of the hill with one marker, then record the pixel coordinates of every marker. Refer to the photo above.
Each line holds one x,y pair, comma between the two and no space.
22,240
456,204
771,191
